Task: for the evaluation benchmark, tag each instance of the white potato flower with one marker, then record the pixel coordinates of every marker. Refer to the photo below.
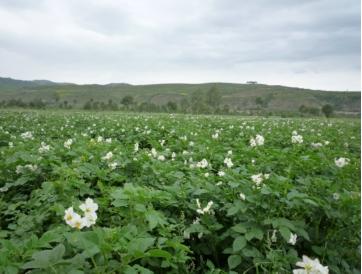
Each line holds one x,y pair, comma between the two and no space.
68,143
154,152
336,196
113,165
274,236
259,178
108,156
297,139
136,147
68,215
78,222
19,169
221,173
27,135
310,266
90,219
161,158
228,162
74,219
316,145
257,141
341,162
31,167
202,164
242,196
89,206
43,148
252,142
292,239
204,210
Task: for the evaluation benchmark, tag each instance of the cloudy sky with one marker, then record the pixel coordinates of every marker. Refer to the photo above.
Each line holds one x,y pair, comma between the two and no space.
305,43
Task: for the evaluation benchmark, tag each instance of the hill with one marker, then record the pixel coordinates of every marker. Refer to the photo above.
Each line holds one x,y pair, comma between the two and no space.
237,97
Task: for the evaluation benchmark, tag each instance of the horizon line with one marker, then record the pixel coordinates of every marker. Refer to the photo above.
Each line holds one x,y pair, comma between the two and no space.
175,83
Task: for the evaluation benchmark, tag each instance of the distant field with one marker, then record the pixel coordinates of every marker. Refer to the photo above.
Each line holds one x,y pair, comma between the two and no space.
177,193
237,96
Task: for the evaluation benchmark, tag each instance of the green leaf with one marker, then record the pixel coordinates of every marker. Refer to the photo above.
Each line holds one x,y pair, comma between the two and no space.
239,243
46,258
234,261
251,252
137,269
265,190
285,232
279,222
140,244
87,241
240,228
232,210
159,253
256,233
155,218
49,237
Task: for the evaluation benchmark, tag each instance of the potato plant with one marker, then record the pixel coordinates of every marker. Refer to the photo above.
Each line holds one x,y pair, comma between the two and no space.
177,193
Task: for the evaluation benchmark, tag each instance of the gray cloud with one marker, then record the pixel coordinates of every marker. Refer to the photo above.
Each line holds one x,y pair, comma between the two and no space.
311,43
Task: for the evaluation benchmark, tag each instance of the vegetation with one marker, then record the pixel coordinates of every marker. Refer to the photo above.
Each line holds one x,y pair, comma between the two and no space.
177,193
211,98
327,110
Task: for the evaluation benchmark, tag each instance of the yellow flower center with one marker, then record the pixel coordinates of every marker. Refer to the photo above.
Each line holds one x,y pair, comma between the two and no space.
77,225
308,268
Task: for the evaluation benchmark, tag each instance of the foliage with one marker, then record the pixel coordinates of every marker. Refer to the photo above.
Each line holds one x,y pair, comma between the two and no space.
327,110
241,97
127,100
148,218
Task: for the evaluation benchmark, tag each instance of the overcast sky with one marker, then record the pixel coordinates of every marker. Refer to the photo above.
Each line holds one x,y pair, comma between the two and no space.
305,43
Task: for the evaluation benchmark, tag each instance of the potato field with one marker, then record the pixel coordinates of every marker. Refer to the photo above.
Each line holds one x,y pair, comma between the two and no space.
88,192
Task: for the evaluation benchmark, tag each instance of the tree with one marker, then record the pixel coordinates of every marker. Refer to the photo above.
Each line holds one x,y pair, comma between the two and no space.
111,105
213,97
259,101
171,106
95,105
197,102
87,105
102,106
184,104
226,109
327,110
127,100
309,110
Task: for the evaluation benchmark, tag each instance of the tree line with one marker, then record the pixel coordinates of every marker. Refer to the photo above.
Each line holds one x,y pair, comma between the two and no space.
197,102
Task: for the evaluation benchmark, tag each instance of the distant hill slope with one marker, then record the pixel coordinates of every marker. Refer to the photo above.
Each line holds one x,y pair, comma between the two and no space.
237,96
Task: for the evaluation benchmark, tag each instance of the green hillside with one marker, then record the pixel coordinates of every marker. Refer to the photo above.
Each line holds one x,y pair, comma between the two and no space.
238,97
